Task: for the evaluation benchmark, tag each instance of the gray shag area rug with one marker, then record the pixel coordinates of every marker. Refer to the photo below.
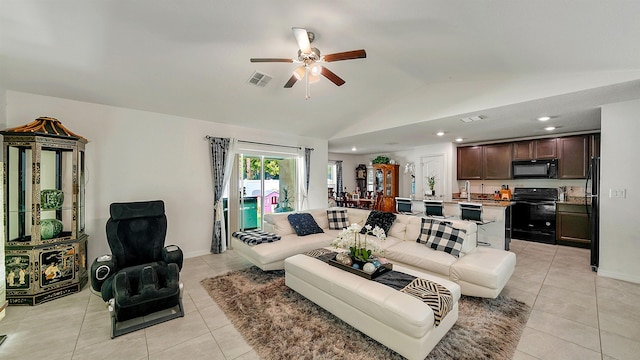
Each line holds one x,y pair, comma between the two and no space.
281,324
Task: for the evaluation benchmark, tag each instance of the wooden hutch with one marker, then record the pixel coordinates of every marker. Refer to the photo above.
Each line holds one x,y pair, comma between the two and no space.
386,186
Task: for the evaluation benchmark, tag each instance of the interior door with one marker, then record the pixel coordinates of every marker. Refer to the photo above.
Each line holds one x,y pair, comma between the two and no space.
433,165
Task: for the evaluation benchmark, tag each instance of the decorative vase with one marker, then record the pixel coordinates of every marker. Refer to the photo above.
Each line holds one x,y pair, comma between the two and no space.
50,228
51,199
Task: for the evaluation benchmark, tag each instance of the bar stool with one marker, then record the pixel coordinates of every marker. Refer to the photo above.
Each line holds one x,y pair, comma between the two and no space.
404,205
473,212
433,208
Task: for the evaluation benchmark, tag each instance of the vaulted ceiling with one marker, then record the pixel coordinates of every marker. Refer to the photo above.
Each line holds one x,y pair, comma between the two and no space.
428,63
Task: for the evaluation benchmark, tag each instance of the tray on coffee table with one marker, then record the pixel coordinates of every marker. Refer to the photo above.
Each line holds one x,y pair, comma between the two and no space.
379,271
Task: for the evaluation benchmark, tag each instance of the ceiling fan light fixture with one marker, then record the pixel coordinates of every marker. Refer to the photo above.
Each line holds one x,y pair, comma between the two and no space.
316,69
299,72
313,78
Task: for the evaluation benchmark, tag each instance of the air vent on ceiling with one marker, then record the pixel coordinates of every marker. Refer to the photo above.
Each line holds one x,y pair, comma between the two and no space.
259,79
469,119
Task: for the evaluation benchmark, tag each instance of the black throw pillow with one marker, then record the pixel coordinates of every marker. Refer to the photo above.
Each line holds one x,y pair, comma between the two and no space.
304,224
382,219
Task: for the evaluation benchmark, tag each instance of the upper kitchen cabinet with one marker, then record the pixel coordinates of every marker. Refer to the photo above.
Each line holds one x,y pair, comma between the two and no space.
497,161
470,161
535,149
573,155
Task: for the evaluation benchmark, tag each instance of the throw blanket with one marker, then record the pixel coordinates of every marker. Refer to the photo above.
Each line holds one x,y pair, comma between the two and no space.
255,237
436,296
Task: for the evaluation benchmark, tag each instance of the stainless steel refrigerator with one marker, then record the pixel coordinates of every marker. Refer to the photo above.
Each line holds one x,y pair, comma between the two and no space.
593,184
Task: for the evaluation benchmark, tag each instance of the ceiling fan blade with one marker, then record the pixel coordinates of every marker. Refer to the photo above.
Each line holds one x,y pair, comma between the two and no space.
347,55
332,76
271,60
303,39
292,80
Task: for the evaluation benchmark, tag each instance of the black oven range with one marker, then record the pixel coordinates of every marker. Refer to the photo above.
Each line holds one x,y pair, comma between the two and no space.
534,214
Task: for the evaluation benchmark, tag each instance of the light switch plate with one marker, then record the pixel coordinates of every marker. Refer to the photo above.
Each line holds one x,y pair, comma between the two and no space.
617,193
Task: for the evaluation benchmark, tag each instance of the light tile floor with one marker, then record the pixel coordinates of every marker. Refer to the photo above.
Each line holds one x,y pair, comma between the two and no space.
576,315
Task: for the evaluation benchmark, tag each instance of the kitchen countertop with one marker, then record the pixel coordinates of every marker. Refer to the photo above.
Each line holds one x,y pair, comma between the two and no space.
576,200
487,201
484,202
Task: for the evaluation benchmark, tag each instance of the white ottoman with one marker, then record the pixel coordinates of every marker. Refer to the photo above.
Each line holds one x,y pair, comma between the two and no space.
484,272
395,319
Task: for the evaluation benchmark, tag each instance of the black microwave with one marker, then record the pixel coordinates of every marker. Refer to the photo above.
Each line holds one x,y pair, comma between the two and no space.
535,169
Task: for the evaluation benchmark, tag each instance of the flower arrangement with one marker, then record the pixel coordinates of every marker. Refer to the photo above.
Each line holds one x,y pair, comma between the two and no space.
360,248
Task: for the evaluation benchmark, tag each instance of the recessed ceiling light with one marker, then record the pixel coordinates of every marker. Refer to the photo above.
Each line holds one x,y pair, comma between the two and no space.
459,139
544,118
549,128
353,148
440,133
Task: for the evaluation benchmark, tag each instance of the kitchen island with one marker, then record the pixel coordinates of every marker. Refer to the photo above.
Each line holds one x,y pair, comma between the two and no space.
495,228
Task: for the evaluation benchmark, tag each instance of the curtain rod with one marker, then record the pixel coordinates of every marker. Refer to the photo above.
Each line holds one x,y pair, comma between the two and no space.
208,137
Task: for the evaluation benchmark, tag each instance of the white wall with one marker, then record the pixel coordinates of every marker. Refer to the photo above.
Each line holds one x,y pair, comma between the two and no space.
349,164
136,155
619,225
415,155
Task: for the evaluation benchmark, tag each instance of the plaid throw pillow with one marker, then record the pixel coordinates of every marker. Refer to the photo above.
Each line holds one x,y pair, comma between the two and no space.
425,230
444,237
338,219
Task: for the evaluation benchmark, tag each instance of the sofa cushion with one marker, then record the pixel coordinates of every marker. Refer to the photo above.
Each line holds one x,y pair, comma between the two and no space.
382,219
419,256
338,219
304,224
445,237
425,230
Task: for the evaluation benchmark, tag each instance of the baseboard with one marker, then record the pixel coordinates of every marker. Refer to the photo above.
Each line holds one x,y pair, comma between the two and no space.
618,276
195,254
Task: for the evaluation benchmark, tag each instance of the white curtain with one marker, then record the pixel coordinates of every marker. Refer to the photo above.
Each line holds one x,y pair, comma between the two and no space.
303,198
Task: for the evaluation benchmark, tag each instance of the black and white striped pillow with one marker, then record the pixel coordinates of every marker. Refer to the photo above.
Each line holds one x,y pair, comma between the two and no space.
338,219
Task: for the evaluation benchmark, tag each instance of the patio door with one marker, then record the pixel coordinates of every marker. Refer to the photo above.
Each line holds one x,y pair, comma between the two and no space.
266,183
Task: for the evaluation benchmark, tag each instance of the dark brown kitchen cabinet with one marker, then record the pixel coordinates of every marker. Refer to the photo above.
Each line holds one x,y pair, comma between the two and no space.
535,149
573,156
572,225
496,161
470,163
523,150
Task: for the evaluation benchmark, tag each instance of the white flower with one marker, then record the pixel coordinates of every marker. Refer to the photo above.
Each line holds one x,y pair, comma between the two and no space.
350,238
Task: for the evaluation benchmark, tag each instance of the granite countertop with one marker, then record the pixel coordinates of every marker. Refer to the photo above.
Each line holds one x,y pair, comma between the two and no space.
576,200
484,202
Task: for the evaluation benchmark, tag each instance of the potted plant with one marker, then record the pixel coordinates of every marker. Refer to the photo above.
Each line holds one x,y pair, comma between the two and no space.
431,181
381,159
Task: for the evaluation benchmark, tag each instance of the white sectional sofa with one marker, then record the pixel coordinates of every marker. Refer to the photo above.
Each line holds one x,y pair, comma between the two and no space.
479,271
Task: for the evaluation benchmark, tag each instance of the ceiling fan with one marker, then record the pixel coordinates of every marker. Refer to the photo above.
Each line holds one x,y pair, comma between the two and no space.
310,61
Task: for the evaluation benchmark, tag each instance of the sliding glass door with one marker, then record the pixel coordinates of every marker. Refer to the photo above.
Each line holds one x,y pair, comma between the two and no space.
265,184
